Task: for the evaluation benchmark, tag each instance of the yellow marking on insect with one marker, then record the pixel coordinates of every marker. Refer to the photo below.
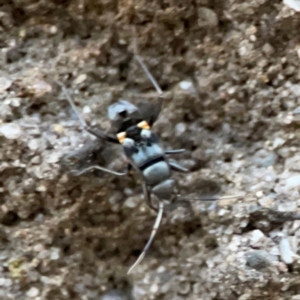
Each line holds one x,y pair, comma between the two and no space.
143,125
121,136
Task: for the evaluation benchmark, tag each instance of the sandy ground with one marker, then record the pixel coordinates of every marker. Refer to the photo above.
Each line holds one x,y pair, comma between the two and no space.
230,75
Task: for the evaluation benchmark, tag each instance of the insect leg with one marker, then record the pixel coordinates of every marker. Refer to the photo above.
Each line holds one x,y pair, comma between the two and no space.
96,133
174,151
91,168
154,230
177,168
147,196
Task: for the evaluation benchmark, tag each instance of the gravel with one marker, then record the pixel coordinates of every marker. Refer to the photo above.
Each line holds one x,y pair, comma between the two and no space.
230,75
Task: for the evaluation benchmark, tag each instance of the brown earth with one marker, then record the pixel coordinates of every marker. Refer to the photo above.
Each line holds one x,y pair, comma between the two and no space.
230,73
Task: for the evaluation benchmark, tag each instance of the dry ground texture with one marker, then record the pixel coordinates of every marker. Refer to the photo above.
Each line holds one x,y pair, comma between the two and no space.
230,73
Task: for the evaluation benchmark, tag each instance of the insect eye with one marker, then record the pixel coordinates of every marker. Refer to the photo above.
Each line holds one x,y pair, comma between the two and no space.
121,136
143,125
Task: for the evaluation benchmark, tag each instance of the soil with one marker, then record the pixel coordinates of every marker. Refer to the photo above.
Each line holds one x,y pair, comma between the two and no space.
230,75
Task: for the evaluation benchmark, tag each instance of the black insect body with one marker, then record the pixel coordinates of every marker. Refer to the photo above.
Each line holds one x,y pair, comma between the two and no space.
142,148
146,155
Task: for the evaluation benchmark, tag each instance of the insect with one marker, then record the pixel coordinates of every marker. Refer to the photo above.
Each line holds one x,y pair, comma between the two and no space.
142,149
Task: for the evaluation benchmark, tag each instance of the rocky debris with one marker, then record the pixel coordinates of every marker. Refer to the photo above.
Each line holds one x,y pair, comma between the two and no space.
230,75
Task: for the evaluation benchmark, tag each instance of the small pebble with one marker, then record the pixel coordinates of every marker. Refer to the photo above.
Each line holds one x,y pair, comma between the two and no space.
53,29
11,131
86,110
32,292
207,17
282,267
251,30
55,254
296,111
257,235
80,79
38,248
245,297
39,88
259,194
58,128
264,158
266,202
41,188
186,85
285,251
293,4
53,158
154,288
293,181
267,49
15,102
43,254
132,202
257,259
114,295
184,288
5,83
33,144
288,206
180,128
278,142
2,281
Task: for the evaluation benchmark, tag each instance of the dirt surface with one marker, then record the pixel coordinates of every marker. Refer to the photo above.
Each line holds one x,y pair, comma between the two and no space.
230,73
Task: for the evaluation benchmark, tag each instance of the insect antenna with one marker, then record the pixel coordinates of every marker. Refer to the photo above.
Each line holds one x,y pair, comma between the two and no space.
97,133
154,230
149,75
144,67
72,104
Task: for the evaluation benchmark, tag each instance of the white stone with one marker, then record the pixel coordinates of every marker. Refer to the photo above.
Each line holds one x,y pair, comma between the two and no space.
53,158
257,235
11,131
80,79
86,110
32,292
278,142
132,202
285,251
293,181
186,85
5,83
33,144
293,4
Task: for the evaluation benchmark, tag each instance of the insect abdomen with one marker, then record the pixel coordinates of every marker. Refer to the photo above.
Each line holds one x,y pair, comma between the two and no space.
156,173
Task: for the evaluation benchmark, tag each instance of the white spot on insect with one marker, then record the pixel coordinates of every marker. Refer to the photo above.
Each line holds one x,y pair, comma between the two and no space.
128,142
145,133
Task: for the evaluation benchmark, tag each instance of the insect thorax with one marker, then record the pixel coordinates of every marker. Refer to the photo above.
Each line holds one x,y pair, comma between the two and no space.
147,156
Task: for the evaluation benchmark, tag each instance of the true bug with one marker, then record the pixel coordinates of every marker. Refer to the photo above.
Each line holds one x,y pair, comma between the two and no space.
142,148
